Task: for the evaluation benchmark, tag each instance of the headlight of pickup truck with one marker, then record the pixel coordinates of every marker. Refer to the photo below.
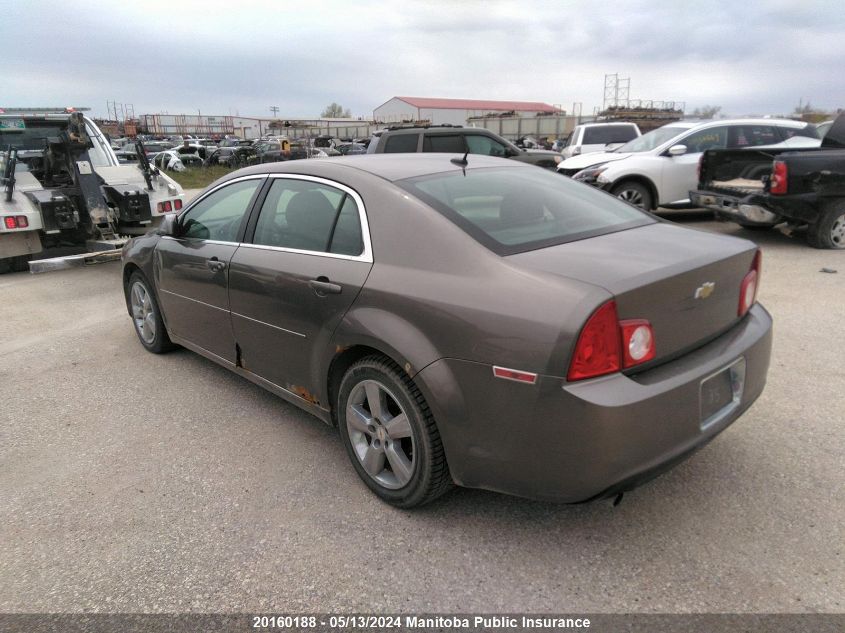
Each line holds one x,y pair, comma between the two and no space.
590,174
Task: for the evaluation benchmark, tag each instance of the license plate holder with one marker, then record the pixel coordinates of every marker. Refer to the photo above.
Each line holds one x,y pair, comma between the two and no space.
721,392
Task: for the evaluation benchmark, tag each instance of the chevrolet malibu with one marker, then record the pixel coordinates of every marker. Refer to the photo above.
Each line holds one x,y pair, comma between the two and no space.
462,320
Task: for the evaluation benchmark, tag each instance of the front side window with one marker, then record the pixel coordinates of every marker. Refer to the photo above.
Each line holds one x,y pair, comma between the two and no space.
400,143
701,141
100,153
309,216
480,144
218,216
652,140
512,210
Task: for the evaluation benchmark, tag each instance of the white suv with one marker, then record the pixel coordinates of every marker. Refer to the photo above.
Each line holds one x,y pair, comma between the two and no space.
599,137
659,168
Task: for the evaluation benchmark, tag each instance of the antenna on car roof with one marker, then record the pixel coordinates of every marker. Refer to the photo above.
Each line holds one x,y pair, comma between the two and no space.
462,162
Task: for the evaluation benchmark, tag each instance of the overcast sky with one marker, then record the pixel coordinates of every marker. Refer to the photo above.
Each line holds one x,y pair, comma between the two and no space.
241,57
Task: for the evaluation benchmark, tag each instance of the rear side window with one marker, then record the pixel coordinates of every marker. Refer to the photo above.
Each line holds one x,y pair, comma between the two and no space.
309,216
453,143
521,209
401,143
609,134
808,130
752,135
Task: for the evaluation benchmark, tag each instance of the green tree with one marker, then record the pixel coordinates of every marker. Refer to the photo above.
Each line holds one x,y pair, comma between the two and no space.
706,112
335,111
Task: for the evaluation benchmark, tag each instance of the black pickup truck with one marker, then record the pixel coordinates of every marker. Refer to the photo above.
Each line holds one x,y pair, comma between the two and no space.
759,188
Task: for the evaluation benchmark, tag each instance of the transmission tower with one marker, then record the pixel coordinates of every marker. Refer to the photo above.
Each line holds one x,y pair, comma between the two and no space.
616,91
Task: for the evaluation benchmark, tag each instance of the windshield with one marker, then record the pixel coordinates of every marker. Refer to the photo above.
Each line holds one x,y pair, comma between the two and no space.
653,139
513,210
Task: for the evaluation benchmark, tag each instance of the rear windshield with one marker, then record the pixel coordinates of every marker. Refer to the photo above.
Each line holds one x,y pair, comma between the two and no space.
513,210
25,135
605,134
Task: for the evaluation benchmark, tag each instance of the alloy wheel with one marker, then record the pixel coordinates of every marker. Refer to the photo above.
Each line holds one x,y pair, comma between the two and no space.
142,313
381,435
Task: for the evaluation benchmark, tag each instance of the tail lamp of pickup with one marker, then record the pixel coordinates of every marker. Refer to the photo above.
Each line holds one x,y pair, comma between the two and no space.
167,206
15,221
778,181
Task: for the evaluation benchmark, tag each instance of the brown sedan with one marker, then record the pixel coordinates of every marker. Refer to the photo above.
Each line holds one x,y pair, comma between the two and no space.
477,321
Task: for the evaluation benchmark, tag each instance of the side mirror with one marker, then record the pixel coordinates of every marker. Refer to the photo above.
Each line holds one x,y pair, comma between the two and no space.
169,225
677,150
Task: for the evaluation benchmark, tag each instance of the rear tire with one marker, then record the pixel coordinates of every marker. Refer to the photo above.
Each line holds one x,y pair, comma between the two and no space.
828,231
146,316
634,193
390,434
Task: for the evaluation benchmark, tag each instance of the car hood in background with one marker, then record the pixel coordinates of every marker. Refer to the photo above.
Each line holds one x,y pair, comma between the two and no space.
586,160
541,151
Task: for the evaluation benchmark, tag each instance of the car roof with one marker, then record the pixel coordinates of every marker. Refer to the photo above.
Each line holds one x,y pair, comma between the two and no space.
690,123
454,129
391,167
597,123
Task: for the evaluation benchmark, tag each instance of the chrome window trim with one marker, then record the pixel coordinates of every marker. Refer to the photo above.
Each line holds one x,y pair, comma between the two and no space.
196,201
365,256
182,239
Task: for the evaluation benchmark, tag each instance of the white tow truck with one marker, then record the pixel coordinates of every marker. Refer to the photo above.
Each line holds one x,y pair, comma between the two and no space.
62,185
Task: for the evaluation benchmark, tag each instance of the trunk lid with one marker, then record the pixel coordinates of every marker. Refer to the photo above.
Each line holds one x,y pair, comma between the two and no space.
685,282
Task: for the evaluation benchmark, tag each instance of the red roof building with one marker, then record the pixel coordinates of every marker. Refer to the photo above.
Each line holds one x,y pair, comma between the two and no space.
454,111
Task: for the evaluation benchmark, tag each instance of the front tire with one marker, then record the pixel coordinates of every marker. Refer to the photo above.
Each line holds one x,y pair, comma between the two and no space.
390,434
634,193
146,316
829,230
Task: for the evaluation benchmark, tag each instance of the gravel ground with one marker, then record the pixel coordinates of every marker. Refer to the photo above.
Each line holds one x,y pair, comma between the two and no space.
140,483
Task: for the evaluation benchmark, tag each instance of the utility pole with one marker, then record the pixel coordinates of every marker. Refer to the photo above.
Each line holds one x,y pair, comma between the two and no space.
274,110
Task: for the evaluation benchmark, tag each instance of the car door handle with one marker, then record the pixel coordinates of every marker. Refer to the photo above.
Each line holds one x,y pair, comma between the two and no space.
215,265
322,286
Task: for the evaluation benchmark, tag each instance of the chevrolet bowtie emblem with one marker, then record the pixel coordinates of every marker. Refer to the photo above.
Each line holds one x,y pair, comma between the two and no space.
705,290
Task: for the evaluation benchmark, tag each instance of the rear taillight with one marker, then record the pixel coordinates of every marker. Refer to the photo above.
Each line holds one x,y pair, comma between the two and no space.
778,182
598,348
749,286
15,221
607,344
164,207
177,204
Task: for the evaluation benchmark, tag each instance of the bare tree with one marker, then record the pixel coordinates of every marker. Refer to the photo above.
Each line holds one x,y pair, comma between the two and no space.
336,111
706,112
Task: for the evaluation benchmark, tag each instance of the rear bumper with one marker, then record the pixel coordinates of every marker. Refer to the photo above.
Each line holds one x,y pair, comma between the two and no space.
573,442
743,209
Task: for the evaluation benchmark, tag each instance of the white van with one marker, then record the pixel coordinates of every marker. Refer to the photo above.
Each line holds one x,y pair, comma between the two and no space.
599,137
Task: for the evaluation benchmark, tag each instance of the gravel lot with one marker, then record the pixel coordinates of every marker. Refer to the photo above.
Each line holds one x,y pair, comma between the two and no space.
134,482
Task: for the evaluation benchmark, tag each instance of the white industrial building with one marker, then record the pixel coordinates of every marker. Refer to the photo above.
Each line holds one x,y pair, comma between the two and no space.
454,111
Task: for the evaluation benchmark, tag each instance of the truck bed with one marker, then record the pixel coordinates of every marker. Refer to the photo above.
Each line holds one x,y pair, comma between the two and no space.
739,185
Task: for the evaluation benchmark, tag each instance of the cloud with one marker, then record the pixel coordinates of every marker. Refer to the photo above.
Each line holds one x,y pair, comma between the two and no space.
219,58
